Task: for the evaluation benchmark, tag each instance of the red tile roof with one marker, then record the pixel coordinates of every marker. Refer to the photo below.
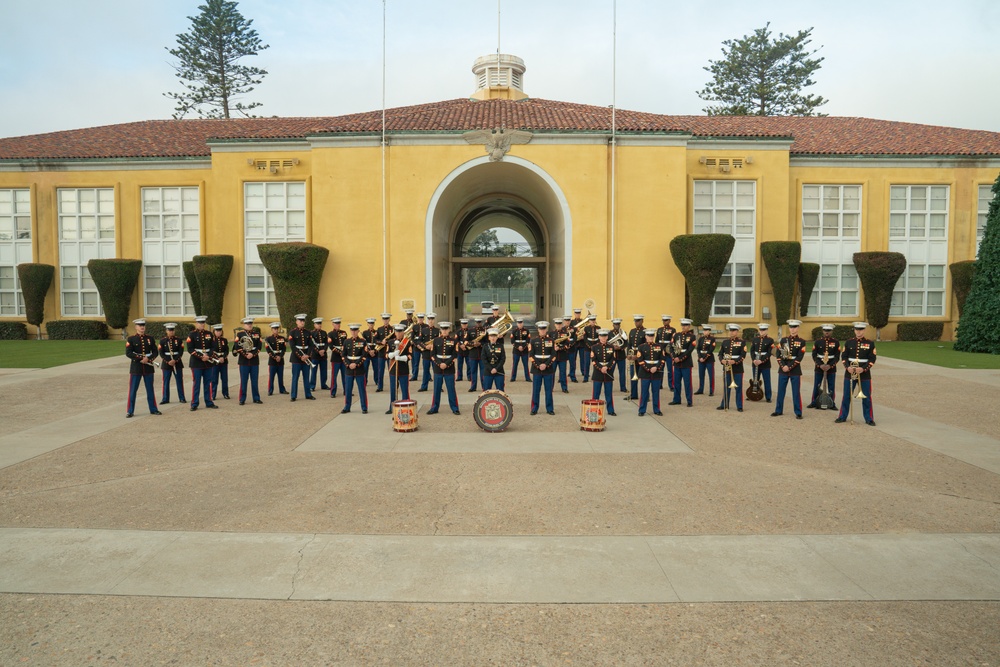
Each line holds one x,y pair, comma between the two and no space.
812,136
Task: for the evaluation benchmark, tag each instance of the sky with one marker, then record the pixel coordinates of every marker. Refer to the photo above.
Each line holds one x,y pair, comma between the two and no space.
66,64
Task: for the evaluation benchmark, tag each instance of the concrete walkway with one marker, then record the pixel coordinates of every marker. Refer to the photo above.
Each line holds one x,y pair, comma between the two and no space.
501,569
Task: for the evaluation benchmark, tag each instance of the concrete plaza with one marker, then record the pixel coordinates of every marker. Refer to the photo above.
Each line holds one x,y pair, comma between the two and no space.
287,533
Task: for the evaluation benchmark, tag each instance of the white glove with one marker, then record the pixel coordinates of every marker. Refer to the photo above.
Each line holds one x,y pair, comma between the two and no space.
402,357
391,355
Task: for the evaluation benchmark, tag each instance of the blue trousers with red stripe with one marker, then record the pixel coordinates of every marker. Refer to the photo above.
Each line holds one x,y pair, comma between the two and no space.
300,370
537,380
172,372
249,374
609,398
796,394
647,387
201,377
353,380
703,368
275,371
133,388
583,356
448,381
866,402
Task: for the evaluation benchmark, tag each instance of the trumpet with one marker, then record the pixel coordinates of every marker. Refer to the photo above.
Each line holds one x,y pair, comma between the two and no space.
154,361
303,353
392,334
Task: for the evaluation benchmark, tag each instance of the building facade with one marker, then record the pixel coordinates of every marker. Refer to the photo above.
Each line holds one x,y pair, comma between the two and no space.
596,200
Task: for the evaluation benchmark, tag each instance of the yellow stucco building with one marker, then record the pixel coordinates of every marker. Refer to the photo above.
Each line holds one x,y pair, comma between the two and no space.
594,196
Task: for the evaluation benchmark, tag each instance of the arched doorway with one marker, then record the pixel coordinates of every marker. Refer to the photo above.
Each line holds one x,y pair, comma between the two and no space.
529,216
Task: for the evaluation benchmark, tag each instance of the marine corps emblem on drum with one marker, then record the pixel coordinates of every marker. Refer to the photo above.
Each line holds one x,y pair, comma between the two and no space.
494,411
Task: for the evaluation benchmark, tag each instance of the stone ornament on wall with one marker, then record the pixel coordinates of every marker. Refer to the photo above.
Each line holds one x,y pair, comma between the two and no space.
497,141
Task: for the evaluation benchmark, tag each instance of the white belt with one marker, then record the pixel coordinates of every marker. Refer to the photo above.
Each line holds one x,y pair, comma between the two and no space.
860,361
444,356
543,356
354,358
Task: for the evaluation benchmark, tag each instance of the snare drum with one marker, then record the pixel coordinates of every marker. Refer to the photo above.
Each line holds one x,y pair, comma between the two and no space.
494,411
404,416
592,415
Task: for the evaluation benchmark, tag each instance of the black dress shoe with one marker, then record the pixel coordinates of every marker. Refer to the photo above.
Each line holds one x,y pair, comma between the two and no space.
534,412
432,412
164,402
364,412
838,420
271,393
775,414
225,397
642,414
767,400
193,408
712,393
242,402
389,411
422,389
565,391
344,411
871,423
128,415
613,414
324,387
293,400
455,412
658,414
283,391
551,413
798,416
811,406
739,409
377,390
674,403
310,398
259,402
721,407
690,405
157,413
471,390
213,406
699,393
573,380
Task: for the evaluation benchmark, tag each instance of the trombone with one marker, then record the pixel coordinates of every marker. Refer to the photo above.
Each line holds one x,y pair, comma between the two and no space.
727,370
856,389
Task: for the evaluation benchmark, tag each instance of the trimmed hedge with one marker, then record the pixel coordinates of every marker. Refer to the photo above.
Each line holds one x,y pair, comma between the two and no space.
157,330
961,281
781,258
841,332
192,283
808,275
77,330
749,334
212,273
919,330
35,279
701,259
979,326
879,272
115,280
13,331
296,269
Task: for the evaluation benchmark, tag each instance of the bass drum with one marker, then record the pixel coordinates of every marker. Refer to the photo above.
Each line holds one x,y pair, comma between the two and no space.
404,416
493,411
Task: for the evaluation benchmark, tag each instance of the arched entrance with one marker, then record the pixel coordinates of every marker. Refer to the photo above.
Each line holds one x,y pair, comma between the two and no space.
527,210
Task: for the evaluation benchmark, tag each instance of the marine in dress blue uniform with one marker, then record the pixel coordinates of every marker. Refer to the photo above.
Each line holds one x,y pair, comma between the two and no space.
354,368
825,354
588,341
664,337
475,345
248,360
462,342
443,358
141,349
520,337
172,367
636,337
199,347
576,351
275,345
562,351
858,358
398,354
370,336
300,349
335,345
220,374
650,361
760,356
318,355
431,331
602,358
620,353
682,350
542,354
383,333
705,351
732,352
790,352
417,337
493,358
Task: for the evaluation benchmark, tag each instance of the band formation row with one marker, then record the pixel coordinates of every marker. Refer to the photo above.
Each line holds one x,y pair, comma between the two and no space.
476,350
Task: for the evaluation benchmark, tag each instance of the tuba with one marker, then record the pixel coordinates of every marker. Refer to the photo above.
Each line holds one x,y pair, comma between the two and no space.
618,340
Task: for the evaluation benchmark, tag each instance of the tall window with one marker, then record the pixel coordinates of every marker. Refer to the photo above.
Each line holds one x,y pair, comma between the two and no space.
918,228
985,197
171,235
919,291
15,247
918,211
86,231
831,211
836,291
730,207
272,213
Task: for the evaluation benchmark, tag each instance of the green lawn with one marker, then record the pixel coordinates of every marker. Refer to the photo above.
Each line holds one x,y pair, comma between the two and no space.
937,353
49,353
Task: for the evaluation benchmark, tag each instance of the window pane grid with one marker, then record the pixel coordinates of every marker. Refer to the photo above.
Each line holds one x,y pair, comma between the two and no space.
272,213
919,292
831,211
836,291
918,212
985,197
15,243
170,215
86,219
725,207
734,297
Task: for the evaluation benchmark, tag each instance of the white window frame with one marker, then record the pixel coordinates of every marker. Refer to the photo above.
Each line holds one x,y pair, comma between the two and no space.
830,211
735,297
836,293
730,207
920,291
171,235
15,247
983,209
86,231
911,220
273,212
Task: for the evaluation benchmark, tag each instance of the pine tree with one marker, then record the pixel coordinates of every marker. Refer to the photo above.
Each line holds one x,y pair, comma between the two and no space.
761,76
208,55
979,326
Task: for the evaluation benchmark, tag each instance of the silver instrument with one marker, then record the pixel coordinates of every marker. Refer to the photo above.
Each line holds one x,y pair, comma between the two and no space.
303,353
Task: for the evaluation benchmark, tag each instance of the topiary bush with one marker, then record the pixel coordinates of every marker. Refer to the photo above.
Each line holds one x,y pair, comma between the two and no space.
192,283
781,258
701,259
979,326
35,280
13,331
961,281
157,330
212,274
749,334
919,330
879,272
296,269
808,275
77,330
840,331
115,280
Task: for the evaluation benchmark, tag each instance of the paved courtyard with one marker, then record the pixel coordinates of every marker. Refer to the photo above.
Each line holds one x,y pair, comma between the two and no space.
287,533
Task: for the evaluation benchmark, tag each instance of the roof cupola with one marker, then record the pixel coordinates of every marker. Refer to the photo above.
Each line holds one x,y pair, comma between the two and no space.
499,76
